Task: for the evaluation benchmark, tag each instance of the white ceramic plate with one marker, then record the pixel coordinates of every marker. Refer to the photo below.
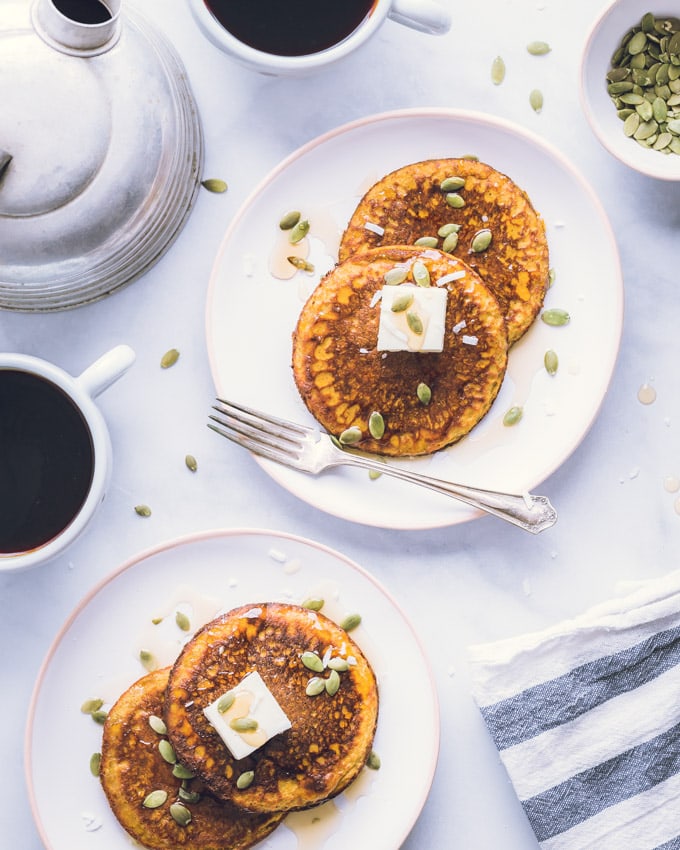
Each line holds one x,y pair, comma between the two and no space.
96,655
251,313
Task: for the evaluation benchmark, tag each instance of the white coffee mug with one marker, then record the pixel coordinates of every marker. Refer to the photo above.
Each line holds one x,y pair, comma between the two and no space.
31,471
423,15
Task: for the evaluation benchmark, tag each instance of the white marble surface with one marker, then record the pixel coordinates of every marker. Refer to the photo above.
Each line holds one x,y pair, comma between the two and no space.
460,585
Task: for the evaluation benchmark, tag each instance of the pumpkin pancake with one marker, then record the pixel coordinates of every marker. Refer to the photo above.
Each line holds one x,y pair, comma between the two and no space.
132,767
410,203
343,378
331,734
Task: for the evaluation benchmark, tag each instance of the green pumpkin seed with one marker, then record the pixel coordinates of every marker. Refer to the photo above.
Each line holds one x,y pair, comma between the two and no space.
350,436
301,264
447,229
158,724
312,661
645,110
513,416
244,724
187,796
631,124
673,126
148,659
538,48
182,621
214,184
167,752
191,463
180,814
332,683
552,274
91,705
314,603
497,70
155,799
637,43
179,771
169,359
536,100
420,273
454,200
143,510
350,622
245,779
620,87
452,184
95,764
551,362
289,220
424,393
402,302
395,276
481,240
426,242
663,141
298,232
99,716
315,686
339,664
414,322
373,762
225,702
376,425
450,243
556,317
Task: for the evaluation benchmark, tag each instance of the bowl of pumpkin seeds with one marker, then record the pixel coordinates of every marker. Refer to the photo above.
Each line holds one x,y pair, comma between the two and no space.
630,85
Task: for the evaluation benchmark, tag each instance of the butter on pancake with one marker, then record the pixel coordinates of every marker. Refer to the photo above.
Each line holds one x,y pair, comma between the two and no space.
132,767
331,734
410,203
343,377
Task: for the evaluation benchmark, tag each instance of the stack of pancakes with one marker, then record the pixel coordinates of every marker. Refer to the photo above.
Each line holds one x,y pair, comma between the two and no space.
494,294
203,803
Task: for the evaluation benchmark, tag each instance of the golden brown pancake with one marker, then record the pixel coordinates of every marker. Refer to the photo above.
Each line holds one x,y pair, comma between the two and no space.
409,204
343,378
132,767
330,736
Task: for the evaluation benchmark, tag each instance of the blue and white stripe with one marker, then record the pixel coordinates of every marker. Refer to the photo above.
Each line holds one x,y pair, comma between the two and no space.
586,718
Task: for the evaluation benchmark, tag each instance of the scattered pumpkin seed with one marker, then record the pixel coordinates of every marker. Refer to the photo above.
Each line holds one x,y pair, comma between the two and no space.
373,762
95,763
99,716
315,686
91,705
245,779
156,620
289,220
214,184
414,322
497,70
454,200
148,659
244,724
180,814
426,242
338,663
179,771
374,474
447,229
225,702
551,362
481,241
182,621
186,795
538,48
298,232
350,622
452,184
424,393
556,317
402,302
536,100
191,463
143,510
420,273
167,752
155,799
450,243
312,661
332,683
169,359
395,276
376,425
158,724
314,603
301,264
552,275
350,436
513,415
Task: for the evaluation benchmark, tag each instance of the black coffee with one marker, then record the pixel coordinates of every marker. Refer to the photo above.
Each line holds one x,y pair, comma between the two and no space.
292,28
46,461
83,11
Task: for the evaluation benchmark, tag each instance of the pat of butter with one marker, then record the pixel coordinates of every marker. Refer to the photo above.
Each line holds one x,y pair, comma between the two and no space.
252,701
429,305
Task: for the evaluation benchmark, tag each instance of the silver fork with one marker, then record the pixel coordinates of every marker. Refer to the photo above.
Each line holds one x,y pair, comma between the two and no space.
312,451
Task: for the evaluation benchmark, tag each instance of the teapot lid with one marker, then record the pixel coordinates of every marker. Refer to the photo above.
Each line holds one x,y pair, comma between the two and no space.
101,151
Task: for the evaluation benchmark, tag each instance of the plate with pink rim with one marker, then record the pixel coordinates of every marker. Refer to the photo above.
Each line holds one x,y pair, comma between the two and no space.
254,299
96,656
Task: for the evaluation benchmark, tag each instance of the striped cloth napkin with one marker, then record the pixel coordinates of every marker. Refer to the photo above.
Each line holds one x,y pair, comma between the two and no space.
586,718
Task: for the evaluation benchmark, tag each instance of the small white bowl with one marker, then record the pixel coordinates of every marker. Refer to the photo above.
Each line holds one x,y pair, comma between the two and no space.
604,38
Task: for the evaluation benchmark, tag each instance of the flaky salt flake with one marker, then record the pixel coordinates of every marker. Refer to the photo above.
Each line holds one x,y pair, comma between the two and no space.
470,340
457,328
374,228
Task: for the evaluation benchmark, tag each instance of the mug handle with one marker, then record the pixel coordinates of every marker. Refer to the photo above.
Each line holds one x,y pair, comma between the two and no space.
106,370
422,15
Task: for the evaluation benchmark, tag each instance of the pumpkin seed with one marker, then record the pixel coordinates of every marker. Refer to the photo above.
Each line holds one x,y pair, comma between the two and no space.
376,425
332,683
373,762
414,322
556,317
447,229
179,771
513,416
155,799
424,393
538,48
497,70
244,724
339,664
214,184
637,43
631,124
298,232
91,705
301,264
169,359
481,240
395,276
452,184
312,661
374,474
143,510
148,659
350,436
191,463
188,796
158,724
552,274
95,763
225,702
454,200
314,603
289,220
350,622
180,814
245,779
402,302
99,716
426,242
450,243
420,273
536,100
167,752
551,362
315,686
183,622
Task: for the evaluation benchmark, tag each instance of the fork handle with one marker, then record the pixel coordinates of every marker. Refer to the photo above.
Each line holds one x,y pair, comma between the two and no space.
532,513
